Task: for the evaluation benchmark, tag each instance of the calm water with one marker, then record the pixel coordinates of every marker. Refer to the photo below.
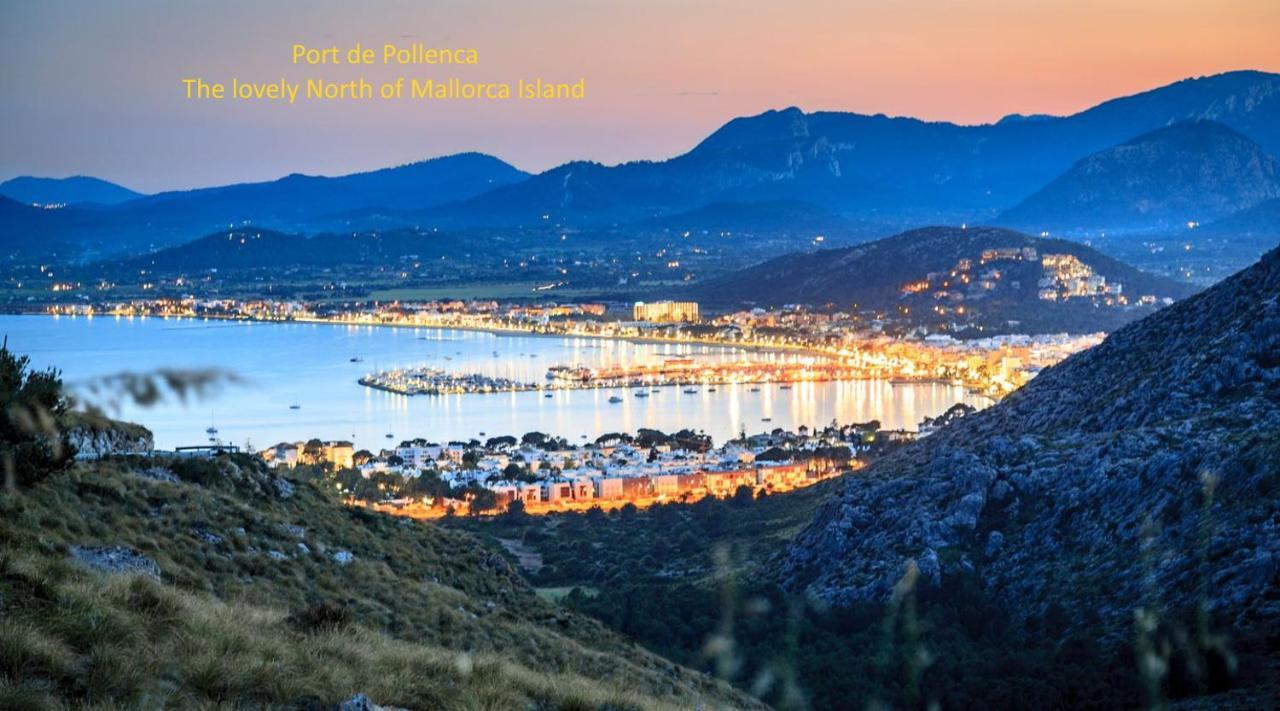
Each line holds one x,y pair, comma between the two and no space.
310,364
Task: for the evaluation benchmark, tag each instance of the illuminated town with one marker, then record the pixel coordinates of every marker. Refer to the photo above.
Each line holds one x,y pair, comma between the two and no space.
541,474
833,346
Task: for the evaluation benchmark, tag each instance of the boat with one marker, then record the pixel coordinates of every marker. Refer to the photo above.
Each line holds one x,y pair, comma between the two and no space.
784,387
655,390
615,399
766,419
754,390
389,435
641,393
691,391
711,390
357,359
547,395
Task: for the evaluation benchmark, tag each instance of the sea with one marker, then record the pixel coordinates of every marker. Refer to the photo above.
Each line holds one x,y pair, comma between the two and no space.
275,382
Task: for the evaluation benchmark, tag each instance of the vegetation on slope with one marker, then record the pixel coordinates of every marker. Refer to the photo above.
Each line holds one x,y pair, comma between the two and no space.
872,276
225,535
242,568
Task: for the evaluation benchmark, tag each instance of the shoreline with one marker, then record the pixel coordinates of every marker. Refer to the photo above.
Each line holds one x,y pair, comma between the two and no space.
494,330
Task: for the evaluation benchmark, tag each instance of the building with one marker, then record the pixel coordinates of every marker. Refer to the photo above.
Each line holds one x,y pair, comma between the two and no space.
340,454
666,311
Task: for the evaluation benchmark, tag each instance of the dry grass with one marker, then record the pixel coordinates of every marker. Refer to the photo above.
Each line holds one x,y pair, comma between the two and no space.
128,640
428,618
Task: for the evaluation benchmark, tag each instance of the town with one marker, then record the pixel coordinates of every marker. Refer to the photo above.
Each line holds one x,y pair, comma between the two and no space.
841,345
538,473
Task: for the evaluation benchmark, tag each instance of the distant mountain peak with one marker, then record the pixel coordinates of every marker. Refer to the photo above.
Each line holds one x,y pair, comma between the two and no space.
75,189
1192,170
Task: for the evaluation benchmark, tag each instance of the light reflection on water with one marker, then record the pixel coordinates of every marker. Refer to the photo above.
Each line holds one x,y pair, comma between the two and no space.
311,364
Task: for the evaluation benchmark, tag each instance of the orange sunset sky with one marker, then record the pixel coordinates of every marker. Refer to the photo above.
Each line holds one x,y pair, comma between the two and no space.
94,87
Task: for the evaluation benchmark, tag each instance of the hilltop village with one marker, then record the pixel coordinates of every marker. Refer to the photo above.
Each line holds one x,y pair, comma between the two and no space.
537,473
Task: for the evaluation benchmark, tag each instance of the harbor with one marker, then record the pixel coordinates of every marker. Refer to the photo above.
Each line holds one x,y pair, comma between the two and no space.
687,373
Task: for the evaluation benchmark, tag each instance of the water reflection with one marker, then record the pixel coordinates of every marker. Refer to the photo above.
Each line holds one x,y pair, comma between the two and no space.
311,363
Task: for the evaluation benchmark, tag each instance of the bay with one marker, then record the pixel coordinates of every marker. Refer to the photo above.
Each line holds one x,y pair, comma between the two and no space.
311,365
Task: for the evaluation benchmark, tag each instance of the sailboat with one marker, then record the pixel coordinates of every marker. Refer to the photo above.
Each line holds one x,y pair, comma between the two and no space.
295,405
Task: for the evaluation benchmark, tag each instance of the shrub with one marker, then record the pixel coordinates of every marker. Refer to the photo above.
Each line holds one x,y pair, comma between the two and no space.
32,406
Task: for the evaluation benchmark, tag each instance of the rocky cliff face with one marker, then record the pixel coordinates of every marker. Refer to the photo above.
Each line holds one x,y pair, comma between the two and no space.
100,438
1143,471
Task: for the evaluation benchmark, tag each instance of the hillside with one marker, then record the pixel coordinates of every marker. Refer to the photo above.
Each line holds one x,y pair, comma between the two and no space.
773,217
1258,225
1006,284
65,191
244,589
1190,172
1138,478
890,169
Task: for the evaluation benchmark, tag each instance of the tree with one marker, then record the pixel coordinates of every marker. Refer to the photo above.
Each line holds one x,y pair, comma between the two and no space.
743,496
515,511
33,440
503,442
513,472
483,500
535,439
312,451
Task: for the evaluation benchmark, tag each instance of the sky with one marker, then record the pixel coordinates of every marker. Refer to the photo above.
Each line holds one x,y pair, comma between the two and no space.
95,87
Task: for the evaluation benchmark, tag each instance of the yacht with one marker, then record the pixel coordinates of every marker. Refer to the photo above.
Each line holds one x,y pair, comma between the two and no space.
615,399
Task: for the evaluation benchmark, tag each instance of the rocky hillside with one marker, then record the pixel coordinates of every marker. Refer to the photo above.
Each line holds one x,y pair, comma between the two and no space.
1143,473
146,582
1193,171
950,277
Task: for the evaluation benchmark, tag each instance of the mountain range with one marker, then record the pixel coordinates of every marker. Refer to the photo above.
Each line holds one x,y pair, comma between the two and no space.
1137,477
74,190
892,172
977,277
1186,173
294,202
895,169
